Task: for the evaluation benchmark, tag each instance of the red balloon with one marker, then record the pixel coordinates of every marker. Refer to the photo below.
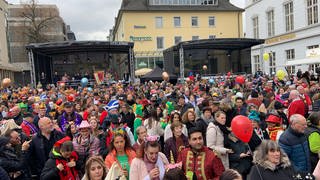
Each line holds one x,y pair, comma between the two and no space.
240,79
242,128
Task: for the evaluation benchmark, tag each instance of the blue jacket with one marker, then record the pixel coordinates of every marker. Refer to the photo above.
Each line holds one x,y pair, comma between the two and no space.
296,147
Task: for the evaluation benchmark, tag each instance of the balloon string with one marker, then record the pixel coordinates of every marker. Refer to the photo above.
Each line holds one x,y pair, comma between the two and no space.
255,165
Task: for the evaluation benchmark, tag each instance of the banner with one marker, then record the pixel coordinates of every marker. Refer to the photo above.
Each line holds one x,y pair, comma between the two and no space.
99,77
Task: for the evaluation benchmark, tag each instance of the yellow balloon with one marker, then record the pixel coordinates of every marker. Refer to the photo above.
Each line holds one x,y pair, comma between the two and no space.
280,74
266,56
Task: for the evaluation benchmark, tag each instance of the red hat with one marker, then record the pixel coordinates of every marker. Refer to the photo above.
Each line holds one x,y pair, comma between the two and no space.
61,141
273,119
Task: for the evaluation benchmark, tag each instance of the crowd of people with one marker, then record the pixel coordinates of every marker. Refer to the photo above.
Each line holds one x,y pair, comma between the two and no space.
162,131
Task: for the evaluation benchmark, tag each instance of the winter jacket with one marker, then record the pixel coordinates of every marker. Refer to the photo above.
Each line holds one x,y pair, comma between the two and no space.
11,163
4,174
215,141
202,124
313,135
255,140
39,150
242,165
171,147
296,146
265,170
51,172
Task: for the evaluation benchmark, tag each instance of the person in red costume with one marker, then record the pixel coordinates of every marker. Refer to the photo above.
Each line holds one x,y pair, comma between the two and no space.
297,105
198,160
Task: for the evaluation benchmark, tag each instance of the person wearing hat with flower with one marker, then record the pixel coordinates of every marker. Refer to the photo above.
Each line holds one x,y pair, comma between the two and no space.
86,144
62,163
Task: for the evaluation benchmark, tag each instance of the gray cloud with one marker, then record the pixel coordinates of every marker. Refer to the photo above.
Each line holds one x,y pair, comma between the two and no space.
91,19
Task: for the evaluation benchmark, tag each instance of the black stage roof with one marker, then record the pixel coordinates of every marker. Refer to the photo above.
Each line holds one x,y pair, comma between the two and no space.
68,47
217,43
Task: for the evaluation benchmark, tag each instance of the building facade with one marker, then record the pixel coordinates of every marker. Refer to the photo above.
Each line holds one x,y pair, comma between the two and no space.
155,25
291,32
6,69
21,32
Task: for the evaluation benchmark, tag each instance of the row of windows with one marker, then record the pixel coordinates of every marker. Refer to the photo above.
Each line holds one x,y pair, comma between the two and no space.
183,2
290,55
177,39
312,18
177,21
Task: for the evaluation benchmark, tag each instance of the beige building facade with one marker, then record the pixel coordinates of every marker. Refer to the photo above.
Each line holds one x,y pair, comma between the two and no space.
6,69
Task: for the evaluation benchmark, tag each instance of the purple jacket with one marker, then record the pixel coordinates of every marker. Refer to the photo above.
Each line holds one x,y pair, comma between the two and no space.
170,146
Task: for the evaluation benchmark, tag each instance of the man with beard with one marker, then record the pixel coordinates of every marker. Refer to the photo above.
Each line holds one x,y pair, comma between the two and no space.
198,161
68,115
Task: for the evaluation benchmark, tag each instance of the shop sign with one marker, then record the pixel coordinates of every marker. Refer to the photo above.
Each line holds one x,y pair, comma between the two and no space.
139,27
312,53
143,38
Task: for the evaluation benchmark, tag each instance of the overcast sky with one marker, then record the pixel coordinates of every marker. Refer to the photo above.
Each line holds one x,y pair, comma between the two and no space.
91,19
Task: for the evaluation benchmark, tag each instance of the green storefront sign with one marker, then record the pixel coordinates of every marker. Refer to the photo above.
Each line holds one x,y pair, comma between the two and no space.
134,38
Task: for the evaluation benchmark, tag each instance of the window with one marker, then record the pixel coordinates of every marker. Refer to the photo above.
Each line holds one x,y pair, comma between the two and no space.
270,16
256,63
177,39
313,46
160,42
290,54
288,10
159,22
177,21
272,62
291,69
312,11
313,67
194,21
212,21
195,38
255,22
212,36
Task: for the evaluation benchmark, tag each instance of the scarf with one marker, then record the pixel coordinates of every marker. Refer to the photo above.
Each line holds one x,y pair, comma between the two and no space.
32,127
150,165
224,130
64,120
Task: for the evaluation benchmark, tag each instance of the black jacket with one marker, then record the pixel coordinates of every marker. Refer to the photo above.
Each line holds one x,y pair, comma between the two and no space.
242,165
11,163
39,150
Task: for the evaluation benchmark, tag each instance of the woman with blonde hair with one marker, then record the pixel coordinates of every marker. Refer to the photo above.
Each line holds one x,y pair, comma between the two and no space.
189,119
95,169
217,133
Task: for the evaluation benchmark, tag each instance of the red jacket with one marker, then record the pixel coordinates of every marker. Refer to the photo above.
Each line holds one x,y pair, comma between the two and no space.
296,107
205,165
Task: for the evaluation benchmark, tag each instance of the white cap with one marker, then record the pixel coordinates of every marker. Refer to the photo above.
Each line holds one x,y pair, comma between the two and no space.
239,94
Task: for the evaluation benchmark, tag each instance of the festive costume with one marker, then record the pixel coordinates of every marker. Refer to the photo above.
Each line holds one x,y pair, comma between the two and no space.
203,164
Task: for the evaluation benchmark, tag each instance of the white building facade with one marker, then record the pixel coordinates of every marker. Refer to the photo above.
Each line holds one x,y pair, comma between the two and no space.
291,30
